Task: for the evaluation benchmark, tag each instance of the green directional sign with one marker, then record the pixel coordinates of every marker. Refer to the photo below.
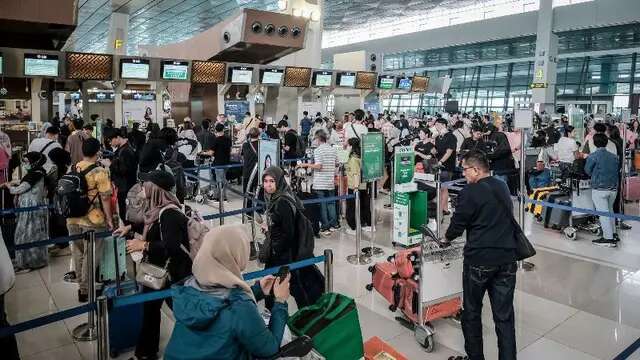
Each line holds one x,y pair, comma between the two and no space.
403,165
372,157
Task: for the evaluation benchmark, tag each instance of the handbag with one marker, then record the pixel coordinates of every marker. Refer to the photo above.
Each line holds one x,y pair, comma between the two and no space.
524,249
333,324
152,276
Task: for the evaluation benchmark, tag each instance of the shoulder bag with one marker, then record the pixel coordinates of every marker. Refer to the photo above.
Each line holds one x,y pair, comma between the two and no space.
524,249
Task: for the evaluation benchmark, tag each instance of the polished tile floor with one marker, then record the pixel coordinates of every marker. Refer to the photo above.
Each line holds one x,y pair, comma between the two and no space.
580,302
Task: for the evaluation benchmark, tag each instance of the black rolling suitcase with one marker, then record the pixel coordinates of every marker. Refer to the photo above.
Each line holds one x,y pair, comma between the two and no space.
557,218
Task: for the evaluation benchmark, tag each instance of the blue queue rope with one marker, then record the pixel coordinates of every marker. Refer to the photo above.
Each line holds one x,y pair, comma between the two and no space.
25,209
583,211
213,167
231,213
45,320
121,301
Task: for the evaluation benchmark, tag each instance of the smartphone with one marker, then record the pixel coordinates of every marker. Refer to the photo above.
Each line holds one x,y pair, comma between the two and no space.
282,273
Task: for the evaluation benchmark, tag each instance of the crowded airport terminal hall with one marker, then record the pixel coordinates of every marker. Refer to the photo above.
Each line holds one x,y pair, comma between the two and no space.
319,179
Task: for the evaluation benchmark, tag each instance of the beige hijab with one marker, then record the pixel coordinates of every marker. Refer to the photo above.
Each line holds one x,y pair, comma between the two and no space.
222,258
158,199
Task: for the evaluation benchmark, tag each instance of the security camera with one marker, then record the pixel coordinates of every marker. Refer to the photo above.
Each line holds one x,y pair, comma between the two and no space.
256,27
296,31
226,37
283,31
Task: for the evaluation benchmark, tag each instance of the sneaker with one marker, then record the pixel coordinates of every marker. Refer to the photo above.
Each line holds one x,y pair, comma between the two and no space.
616,238
349,231
605,242
624,226
23,271
336,228
70,277
325,232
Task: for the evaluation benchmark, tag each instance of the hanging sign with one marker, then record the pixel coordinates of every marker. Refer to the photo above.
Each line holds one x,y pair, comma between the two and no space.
372,147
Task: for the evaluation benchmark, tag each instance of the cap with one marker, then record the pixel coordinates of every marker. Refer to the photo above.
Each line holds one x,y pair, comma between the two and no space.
442,121
160,178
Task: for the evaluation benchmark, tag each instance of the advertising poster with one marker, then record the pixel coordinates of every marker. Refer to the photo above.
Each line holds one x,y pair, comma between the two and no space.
372,157
141,111
403,166
236,108
268,154
400,218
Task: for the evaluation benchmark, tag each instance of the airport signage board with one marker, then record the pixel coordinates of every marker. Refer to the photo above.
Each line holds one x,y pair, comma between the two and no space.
241,75
346,79
271,76
386,82
174,70
41,65
372,149
134,68
404,83
322,78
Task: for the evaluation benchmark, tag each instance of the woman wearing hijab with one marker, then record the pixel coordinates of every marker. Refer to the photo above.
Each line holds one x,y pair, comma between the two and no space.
215,310
282,206
353,169
31,225
162,241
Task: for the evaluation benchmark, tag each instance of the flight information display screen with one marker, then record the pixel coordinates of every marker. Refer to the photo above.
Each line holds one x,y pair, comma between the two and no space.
404,83
1,64
386,82
346,79
134,68
241,74
41,65
271,76
322,78
175,70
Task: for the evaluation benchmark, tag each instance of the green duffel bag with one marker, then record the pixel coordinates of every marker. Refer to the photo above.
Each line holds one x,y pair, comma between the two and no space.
333,324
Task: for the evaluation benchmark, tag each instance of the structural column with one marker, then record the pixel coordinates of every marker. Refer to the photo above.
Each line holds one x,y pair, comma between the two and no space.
117,45
546,60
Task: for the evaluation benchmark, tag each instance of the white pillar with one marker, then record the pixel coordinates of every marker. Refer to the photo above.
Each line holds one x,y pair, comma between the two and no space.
546,59
36,85
118,33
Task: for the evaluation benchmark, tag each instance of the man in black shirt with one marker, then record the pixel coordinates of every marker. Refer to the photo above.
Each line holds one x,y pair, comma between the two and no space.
221,150
249,162
290,140
123,168
475,142
484,206
445,152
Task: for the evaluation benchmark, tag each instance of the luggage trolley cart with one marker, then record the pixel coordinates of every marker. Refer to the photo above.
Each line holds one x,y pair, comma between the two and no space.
440,280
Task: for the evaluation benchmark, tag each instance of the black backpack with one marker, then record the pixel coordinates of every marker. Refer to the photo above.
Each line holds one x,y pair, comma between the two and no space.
303,233
71,198
301,146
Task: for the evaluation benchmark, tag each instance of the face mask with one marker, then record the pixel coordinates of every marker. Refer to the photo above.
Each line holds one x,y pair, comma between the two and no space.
26,167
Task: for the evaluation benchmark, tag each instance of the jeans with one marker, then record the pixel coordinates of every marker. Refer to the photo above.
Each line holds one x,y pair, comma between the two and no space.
80,252
221,180
328,215
500,283
603,201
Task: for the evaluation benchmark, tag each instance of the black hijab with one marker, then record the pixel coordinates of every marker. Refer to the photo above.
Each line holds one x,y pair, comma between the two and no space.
283,190
36,172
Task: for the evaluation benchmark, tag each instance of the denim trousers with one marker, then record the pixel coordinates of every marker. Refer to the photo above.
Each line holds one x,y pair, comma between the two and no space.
603,201
328,215
221,180
500,283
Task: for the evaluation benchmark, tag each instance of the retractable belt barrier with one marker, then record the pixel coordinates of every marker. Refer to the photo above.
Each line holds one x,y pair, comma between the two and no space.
46,320
582,210
25,209
121,301
213,167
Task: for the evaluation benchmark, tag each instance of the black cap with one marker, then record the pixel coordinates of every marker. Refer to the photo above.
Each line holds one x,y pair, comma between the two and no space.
160,178
441,121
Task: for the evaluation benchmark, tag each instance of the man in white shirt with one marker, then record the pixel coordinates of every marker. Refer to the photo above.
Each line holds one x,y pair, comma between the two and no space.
355,129
45,144
324,169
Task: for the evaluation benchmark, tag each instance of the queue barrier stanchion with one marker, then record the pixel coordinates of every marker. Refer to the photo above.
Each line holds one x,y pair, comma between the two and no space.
438,205
220,200
523,265
357,258
102,345
372,250
328,270
87,331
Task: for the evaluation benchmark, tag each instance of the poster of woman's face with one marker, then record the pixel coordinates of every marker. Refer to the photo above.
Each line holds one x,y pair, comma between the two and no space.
267,154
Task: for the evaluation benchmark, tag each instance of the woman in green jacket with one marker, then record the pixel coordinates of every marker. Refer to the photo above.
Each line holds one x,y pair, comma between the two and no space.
215,310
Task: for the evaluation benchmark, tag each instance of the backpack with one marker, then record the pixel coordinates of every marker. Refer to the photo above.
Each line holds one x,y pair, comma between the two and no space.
196,230
174,166
71,198
303,233
301,147
136,206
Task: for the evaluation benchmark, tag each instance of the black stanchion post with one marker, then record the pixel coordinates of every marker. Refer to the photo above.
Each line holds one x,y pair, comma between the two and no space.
102,345
87,331
357,259
328,270
220,200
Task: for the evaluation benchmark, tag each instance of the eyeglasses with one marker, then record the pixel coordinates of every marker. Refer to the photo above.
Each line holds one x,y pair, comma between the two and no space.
467,168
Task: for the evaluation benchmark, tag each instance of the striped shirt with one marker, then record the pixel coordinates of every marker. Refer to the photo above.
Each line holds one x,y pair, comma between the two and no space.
323,179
